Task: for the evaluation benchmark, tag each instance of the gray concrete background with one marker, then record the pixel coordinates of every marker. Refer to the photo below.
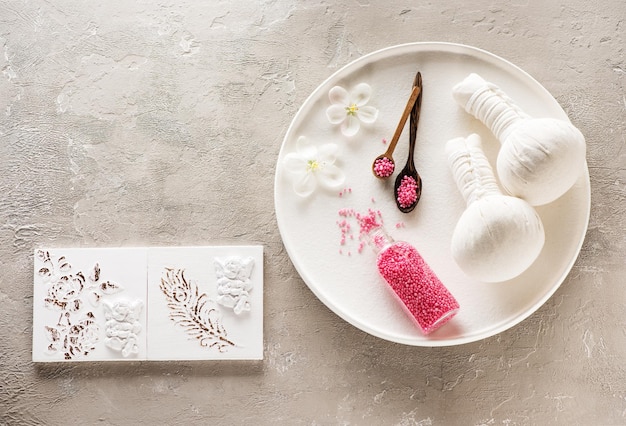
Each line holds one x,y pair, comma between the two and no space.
128,123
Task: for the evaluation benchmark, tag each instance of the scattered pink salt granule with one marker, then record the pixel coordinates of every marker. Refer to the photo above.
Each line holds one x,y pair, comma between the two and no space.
384,167
368,221
345,191
364,221
407,192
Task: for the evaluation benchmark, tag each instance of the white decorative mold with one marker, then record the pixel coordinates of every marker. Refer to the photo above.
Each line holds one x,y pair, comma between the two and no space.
185,303
190,318
74,290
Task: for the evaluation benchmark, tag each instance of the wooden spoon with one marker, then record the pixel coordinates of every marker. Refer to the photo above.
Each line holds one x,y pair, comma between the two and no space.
396,136
408,180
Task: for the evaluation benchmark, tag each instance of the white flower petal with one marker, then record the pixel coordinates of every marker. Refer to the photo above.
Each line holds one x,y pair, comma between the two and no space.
305,148
360,95
304,184
294,163
336,113
350,126
339,95
367,114
331,176
327,153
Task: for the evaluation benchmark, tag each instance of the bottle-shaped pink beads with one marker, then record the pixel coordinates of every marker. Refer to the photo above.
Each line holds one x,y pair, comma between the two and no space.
416,286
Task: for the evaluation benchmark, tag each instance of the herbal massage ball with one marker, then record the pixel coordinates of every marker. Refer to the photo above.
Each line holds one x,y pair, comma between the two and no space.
498,236
540,158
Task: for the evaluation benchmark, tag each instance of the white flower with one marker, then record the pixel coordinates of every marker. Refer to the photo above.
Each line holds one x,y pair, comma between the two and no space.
350,109
311,165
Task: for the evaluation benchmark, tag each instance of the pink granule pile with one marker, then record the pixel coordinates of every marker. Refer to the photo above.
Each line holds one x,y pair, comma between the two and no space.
407,192
422,293
368,221
384,167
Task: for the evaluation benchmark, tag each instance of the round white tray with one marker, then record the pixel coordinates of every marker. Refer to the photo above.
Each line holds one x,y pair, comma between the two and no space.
345,279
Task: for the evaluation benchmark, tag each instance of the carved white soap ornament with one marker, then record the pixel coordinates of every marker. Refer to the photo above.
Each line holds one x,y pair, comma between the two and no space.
498,236
540,158
123,325
233,282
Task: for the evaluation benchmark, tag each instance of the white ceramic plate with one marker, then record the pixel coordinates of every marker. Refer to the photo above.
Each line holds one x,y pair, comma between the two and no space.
345,279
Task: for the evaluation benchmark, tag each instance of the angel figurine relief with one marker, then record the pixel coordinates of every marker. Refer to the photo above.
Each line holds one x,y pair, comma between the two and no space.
233,282
123,326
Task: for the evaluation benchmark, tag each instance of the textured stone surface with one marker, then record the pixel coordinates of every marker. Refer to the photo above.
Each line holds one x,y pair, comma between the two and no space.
159,122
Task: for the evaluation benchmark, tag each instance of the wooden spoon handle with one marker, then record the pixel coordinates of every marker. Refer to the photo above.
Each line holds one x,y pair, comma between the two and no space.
415,116
407,110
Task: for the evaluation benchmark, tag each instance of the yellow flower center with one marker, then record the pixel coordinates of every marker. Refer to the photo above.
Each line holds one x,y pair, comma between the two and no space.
313,166
352,109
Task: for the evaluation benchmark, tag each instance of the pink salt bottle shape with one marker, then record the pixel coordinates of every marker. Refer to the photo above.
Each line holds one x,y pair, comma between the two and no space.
414,284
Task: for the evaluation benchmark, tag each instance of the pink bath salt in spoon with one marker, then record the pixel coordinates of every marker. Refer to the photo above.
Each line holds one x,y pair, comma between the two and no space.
406,194
384,165
418,289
